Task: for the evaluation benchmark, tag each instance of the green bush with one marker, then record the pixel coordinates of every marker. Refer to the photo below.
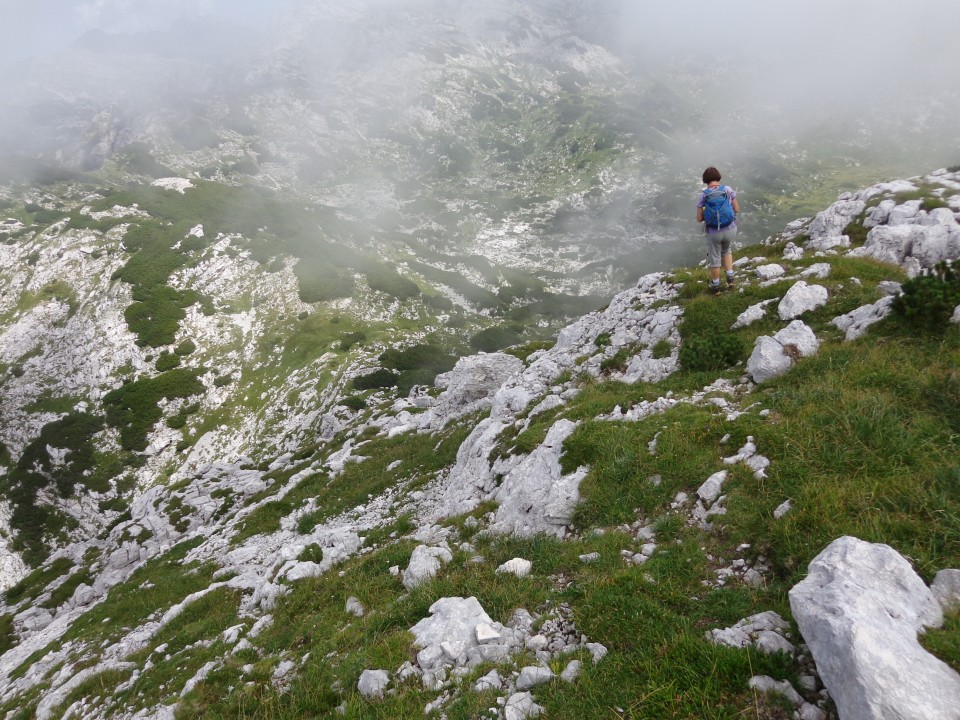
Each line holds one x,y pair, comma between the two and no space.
133,408
348,340
167,361
495,338
711,352
187,347
928,300
381,378
354,402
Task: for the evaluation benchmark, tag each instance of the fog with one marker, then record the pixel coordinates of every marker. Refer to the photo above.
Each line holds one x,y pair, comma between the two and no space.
744,83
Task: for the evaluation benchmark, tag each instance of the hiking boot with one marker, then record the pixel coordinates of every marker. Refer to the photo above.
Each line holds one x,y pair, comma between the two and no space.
714,289
731,283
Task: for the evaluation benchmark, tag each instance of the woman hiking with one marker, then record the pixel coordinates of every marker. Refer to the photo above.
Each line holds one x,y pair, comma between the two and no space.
717,209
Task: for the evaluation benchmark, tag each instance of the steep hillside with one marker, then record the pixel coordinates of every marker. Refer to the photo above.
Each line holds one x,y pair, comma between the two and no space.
575,528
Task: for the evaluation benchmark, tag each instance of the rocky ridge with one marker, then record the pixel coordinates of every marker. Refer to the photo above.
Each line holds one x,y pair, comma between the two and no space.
530,492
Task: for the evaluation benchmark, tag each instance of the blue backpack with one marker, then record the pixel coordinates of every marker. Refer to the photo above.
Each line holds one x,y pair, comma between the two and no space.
717,208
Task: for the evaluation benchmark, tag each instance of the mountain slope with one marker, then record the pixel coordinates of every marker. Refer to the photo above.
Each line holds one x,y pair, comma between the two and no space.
636,462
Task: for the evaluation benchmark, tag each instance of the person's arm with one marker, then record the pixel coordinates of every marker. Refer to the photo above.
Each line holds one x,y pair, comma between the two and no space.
699,214
736,207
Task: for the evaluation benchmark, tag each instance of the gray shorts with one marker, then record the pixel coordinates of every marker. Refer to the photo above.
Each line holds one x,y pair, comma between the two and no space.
718,245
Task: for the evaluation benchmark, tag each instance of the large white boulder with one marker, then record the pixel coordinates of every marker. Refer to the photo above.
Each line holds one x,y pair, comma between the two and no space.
768,360
470,386
860,611
801,298
535,496
373,683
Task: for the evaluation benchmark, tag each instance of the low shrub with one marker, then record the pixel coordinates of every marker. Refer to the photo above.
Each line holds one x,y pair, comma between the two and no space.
711,352
381,378
928,300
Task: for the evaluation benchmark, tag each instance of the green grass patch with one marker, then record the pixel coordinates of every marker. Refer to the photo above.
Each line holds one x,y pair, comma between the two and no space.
420,456
34,583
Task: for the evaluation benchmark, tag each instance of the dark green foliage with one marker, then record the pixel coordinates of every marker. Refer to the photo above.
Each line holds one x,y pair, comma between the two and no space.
311,553
602,340
386,280
711,352
320,281
136,158
354,402
495,338
187,347
418,357
381,378
222,381
8,638
33,521
348,340
167,361
618,361
928,300
418,365
133,409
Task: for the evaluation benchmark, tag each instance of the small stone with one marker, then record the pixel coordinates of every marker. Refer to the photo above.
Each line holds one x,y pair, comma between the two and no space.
782,509
572,671
598,651
533,676
373,683
355,607
516,566
521,706
486,633
590,557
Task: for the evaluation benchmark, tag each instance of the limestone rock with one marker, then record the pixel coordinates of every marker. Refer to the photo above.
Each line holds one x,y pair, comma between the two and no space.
768,360
536,497
860,610
425,562
521,706
856,322
572,671
532,676
752,314
946,589
373,683
516,566
801,298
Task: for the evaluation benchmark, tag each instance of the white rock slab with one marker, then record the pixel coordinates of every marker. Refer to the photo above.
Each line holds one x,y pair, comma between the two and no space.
860,610
801,298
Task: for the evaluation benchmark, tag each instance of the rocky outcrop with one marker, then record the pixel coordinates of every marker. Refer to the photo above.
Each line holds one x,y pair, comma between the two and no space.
860,610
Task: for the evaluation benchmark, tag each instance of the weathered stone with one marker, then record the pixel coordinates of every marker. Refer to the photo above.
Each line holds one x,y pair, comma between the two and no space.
766,684
860,610
710,490
801,298
516,566
373,683
572,671
532,676
946,589
768,360
425,563
856,322
521,706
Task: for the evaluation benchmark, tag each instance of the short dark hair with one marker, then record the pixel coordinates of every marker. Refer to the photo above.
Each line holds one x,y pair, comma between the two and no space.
711,174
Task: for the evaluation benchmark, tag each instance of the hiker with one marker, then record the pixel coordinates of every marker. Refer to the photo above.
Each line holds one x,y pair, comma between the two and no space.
717,209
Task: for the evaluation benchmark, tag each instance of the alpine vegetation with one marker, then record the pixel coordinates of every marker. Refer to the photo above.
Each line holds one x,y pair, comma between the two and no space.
355,361
538,532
